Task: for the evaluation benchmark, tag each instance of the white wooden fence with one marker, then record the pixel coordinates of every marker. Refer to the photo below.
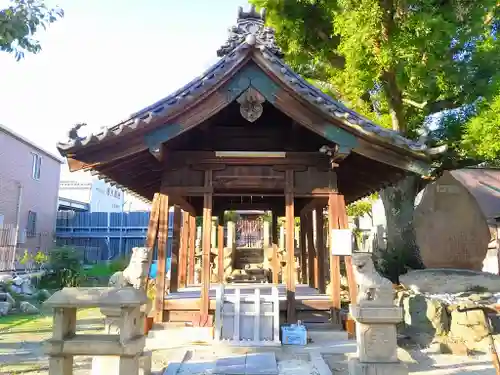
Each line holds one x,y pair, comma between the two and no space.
7,247
247,319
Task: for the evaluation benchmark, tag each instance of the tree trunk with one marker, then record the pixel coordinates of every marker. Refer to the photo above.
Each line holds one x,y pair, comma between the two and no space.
402,251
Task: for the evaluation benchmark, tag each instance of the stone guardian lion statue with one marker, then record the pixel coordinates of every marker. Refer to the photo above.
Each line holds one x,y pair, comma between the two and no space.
373,289
135,274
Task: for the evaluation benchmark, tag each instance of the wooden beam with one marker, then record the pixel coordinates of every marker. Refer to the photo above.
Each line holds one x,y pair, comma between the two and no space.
206,248
302,244
333,223
220,248
162,258
183,203
191,249
290,247
174,265
183,253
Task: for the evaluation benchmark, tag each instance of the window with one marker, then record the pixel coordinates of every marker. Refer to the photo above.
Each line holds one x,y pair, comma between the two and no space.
31,227
37,165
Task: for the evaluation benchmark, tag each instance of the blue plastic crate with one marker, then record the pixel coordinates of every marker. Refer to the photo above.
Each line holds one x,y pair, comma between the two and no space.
293,334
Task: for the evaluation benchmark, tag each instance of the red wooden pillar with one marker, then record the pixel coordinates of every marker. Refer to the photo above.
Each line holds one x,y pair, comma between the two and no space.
290,246
333,223
191,249
343,223
303,255
311,252
175,264
206,249
162,258
320,250
275,260
183,253
220,249
153,225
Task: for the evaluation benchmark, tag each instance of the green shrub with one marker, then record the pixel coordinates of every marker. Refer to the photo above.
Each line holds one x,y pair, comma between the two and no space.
66,269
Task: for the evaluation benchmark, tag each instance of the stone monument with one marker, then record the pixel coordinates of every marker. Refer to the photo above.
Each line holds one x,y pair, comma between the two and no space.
376,317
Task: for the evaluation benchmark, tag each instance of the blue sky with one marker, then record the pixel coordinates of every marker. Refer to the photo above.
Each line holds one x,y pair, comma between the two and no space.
104,61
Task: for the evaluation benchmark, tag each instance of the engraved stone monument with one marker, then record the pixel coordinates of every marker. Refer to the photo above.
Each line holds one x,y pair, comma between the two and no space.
376,318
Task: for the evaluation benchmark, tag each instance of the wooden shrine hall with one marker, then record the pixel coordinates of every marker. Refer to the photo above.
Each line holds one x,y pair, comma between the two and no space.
248,134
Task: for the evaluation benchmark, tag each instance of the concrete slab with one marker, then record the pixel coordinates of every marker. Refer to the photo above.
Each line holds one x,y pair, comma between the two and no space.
230,365
261,364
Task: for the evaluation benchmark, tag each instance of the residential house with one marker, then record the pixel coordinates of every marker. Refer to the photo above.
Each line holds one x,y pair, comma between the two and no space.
29,184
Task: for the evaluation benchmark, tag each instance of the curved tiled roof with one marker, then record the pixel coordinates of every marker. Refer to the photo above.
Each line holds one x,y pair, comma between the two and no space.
250,37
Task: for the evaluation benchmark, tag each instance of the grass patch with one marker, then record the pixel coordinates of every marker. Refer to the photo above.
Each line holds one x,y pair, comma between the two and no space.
21,368
20,323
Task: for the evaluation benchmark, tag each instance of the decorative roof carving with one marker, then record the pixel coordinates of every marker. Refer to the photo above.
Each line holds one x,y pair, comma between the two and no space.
251,104
250,27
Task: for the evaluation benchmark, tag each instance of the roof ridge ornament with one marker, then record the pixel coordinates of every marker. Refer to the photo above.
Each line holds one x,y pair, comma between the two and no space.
251,27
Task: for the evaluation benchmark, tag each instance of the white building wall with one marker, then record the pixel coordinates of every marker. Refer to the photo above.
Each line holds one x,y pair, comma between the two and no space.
75,190
102,197
105,198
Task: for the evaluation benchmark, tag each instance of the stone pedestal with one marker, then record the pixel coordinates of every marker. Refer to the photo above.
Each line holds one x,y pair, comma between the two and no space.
376,341
123,305
110,365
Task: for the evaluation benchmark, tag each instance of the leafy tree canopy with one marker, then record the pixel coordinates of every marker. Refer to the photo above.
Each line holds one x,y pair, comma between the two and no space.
395,61
20,21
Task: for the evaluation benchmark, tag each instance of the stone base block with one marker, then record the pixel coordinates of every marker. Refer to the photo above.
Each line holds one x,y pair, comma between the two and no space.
110,365
360,368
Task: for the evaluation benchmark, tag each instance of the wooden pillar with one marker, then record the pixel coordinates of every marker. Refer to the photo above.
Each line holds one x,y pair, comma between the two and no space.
220,249
175,264
320,250
302,244
206,243
162,258
153,226
333,223
290,246
183,253
311,252
344,224
191,250
275,260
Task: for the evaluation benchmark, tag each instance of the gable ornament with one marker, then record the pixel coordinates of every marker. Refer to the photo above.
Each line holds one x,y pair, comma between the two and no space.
251,104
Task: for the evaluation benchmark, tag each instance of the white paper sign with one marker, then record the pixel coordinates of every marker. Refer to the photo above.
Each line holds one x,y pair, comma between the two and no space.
341,242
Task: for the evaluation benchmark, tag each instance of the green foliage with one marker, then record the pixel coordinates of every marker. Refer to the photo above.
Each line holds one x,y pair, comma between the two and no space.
482,132
231,216
66,269
361,207
396,62
20,21
108,268
407,65
29,261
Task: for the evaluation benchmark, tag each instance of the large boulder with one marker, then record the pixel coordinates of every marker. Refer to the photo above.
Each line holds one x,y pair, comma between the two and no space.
469,327
424,318
28,308
5,307
443,280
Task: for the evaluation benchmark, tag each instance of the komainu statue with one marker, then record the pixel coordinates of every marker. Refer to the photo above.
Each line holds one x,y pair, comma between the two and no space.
373,289
136,273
